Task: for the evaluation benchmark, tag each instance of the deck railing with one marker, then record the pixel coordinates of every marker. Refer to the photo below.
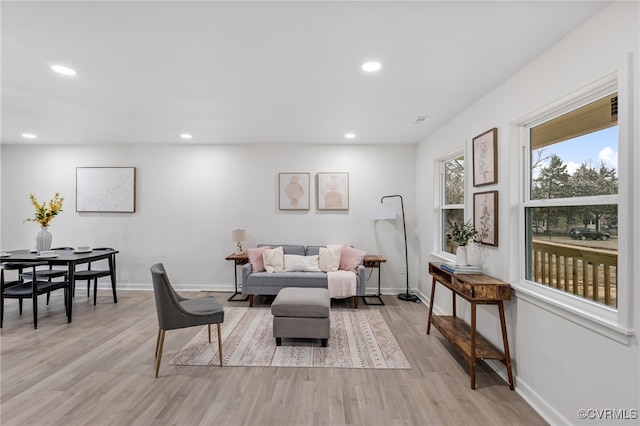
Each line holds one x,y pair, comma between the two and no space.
587,272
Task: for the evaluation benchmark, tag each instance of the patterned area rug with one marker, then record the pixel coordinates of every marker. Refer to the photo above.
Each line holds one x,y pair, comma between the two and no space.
360,338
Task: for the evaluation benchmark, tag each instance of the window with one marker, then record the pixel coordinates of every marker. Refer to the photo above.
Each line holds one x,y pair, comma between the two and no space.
452,203
571,201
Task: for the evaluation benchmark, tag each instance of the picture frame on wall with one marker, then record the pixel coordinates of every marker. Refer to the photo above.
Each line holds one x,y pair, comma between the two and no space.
293,192
332,190
485,217
106,189
485,158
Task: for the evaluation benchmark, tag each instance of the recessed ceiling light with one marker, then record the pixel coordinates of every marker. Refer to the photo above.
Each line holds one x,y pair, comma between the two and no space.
63,70
186,136
350,135
371,66
28,136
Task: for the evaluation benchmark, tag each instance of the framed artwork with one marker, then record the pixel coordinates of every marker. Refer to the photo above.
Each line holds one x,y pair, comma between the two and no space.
333,191
106,189
485,158
293,193
485,216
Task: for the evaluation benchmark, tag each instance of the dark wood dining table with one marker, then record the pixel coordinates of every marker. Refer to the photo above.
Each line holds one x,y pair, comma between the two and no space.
69,258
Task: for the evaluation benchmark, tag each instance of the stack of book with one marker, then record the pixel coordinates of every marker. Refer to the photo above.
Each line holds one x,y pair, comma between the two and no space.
458,269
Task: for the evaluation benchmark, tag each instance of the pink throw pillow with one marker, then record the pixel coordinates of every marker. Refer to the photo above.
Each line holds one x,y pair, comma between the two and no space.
255,258
350,258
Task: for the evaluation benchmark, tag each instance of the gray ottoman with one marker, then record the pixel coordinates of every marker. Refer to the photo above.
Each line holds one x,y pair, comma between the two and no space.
300,312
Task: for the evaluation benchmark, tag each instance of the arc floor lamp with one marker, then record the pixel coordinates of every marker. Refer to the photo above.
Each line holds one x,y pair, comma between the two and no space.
386,213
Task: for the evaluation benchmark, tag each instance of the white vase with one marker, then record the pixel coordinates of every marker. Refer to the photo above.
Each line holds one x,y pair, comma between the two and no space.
461,256
473,254
44,239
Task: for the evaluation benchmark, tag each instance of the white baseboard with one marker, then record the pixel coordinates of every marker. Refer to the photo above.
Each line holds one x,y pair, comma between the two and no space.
226,288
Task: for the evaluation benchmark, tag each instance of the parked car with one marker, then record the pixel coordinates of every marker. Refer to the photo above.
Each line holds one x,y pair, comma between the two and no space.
584,233
539,229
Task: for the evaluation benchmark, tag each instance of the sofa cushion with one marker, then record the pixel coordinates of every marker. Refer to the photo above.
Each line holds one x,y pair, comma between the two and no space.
350,258
329,259
286,279
256,259
288,249
293,262
273,259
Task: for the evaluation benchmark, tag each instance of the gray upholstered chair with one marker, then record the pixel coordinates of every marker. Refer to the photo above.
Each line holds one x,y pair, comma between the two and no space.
175,311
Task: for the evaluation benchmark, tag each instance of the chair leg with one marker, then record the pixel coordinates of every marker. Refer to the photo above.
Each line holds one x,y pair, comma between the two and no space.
209,329
20,305
157,343
48,295
88,288
220,344
35,310
95,290
115,296
159,351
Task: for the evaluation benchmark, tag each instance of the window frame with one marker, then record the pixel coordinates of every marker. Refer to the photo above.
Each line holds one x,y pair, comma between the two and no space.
442,206
616,324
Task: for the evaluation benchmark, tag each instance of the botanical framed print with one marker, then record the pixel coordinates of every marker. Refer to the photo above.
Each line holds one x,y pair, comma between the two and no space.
485,216
332,191
485,158
106,189
293,193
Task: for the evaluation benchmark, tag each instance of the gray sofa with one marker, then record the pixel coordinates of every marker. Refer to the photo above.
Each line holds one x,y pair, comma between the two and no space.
265,283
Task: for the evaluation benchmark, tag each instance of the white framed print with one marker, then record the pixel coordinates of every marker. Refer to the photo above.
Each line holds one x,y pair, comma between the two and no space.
293,192
106,189
332,191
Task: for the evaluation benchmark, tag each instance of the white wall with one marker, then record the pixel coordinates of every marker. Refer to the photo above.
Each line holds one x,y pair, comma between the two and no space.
560,366
190,197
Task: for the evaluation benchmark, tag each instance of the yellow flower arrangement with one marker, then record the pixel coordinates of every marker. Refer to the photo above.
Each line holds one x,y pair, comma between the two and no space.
45,212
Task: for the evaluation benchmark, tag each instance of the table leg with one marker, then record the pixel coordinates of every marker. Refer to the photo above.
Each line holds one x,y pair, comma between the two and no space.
505,342
473,346
236,292
431,301
112,270
380,301
72,286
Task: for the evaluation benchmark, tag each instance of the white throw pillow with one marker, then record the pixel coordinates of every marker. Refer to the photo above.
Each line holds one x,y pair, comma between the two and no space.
329,258
273,260
293,262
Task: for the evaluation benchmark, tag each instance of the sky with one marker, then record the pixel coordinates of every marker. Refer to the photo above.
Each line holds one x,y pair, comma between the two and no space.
591,148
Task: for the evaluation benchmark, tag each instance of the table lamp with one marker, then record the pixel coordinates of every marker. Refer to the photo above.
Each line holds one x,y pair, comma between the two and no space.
239,236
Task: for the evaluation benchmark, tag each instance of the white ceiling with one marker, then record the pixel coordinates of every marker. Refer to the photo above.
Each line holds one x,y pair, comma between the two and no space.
261,72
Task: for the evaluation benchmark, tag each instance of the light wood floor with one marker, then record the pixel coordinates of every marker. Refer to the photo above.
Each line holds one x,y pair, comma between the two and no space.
100,370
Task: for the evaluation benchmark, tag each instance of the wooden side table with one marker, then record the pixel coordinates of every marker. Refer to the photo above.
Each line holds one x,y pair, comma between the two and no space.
477,289
239,259
374,261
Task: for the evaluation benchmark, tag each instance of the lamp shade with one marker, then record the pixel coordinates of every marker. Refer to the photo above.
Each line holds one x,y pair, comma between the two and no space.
382,211
238,235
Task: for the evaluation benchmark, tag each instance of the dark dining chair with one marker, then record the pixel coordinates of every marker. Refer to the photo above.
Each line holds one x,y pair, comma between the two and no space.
93,274
175,311
21,289
50,273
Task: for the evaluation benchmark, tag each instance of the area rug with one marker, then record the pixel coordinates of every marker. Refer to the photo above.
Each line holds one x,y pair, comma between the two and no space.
359,338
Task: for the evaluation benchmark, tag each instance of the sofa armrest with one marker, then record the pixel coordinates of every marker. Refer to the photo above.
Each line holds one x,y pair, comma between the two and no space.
362,273
246,270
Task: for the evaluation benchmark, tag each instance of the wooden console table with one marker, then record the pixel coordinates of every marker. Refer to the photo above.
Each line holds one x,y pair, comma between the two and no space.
477,289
